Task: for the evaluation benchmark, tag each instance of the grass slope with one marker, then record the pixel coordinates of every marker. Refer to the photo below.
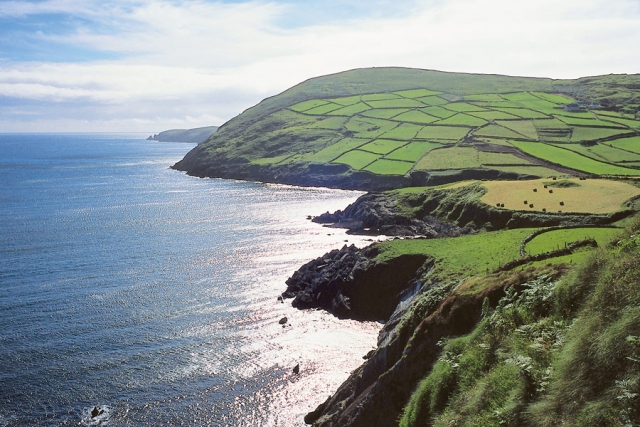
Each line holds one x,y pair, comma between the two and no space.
551,352
406,105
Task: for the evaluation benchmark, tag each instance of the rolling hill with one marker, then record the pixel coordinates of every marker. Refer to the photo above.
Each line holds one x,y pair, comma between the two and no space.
384,128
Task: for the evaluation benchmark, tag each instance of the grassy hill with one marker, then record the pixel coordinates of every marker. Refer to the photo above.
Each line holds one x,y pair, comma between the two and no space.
395,127
516,181
196,135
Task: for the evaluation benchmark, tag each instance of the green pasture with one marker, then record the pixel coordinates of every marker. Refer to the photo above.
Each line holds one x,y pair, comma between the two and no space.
463,119
462,256
346,100
438,111
553,97
558,239
493,115
463,107
350,110
402,126
573,121
336,150
629,144
404,132
572,159
413,151
591,134
523,113
382,146
604,152
552,123
369,127
417,93
307,105
379,96
503,159
415,116
540,171
521,127
324,109
497,131
357,159
487,97
389,167
385,113
452,133
396,103
494,141
433,100
449,158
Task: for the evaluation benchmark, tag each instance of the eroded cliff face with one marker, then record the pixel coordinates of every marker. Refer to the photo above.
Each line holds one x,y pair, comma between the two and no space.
375,394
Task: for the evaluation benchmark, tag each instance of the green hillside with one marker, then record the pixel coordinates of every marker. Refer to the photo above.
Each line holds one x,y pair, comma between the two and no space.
392,127
196,135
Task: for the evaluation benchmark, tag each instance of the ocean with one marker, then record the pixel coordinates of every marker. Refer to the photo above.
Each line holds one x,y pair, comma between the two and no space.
152,295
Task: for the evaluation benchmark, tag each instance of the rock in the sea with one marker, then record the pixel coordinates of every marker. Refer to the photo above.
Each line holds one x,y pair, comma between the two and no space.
96,412
283,321
296,369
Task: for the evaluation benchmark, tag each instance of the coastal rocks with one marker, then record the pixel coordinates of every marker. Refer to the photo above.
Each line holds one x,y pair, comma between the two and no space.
376,213
283,321
389,377
350,283
296,369
95,412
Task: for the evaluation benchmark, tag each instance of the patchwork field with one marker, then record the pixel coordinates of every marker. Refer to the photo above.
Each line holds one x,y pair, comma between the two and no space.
396,132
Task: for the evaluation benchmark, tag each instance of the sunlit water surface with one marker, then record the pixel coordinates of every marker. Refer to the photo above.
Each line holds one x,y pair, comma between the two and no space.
152,295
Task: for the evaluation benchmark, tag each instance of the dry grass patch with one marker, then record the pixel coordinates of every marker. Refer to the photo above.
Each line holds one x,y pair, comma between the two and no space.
597,196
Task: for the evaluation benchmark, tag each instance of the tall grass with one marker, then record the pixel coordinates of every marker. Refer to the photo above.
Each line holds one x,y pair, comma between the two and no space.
551,353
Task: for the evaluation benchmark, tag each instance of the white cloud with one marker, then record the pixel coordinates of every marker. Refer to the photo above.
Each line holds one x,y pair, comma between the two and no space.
187,53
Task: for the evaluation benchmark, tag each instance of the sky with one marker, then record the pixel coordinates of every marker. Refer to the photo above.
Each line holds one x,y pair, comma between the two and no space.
152,65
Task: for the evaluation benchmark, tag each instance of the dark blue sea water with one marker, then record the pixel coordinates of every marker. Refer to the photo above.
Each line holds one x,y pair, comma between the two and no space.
130,287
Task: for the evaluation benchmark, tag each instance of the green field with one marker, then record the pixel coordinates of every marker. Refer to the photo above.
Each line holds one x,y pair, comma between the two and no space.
604,152
449,158
413,151
382,146
357,159
438,110
417,93
462,256
522,127
572,160
452,133
497,131
404,132
335,150
462,119
389,167
558,239
630,144
415,116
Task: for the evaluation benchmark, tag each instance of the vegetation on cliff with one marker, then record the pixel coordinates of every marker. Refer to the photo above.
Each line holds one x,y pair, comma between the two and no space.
553,351
395,127
500,187
195,135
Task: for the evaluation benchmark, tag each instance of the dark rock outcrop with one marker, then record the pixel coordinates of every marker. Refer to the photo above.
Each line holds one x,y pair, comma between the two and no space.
390,376
380,214
350,283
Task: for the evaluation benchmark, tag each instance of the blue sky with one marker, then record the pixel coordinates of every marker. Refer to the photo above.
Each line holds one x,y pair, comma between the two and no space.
150,65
